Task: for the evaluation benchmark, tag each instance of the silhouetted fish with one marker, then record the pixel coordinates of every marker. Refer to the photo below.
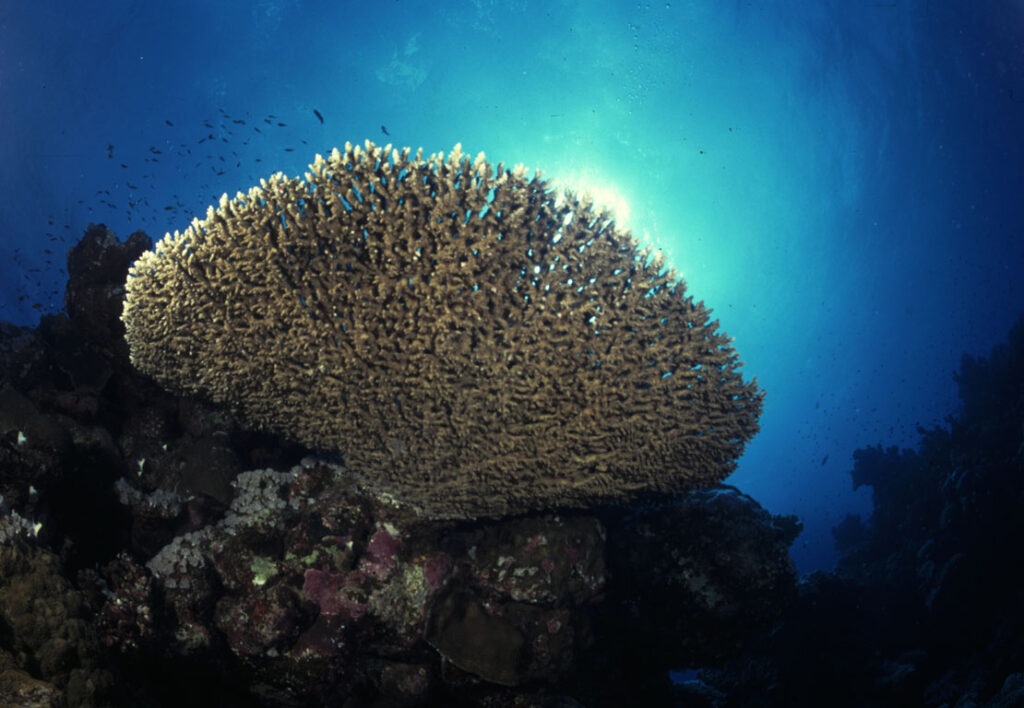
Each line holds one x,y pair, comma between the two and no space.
319,116
384,129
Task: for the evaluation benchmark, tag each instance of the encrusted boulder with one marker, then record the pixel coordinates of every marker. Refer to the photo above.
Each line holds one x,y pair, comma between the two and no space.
320,592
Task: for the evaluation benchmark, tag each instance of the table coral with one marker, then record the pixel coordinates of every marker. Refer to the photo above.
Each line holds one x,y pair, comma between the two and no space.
470,339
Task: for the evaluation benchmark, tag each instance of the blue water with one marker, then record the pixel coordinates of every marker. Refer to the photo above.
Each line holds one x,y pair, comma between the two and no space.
840,181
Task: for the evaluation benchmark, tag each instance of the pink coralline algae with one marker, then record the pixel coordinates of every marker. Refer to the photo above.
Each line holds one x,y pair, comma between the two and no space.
259,623
326,589
534,541
381,554
436,570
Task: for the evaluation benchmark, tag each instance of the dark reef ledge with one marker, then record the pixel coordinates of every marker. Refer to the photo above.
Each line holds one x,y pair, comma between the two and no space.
925,605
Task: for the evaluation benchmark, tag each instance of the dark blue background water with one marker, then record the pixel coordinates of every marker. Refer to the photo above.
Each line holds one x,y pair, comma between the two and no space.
842,182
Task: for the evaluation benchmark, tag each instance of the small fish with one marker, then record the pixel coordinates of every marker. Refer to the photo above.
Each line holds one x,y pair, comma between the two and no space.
110,151
319,115
384,129
824,460
169,123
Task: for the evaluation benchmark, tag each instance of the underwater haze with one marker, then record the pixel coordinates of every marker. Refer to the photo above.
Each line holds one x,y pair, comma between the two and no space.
841,182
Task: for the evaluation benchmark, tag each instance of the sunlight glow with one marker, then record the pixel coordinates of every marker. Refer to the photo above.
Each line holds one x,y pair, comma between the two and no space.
605,195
